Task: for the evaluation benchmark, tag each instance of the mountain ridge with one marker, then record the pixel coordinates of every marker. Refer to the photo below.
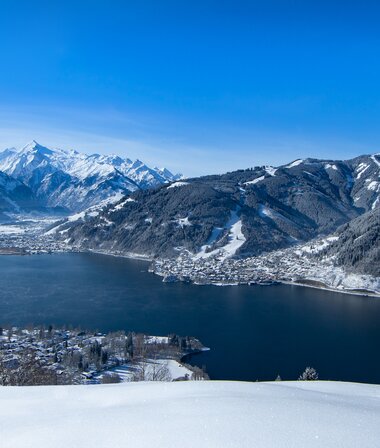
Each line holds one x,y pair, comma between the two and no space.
357,244
14,196
74,180
274,208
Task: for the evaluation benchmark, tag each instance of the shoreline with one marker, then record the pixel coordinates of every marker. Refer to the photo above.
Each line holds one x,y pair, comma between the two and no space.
327,288
289,283
220,284
129,255
148,259
272,282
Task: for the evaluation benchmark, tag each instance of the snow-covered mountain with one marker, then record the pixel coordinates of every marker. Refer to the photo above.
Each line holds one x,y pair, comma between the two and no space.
356,245
242,213
14,196
67,178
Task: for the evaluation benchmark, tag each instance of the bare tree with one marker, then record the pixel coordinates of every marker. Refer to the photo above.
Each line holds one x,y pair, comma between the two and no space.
151,370
28,371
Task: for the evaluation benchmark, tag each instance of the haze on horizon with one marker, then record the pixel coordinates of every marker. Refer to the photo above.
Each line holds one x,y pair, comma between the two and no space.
204,87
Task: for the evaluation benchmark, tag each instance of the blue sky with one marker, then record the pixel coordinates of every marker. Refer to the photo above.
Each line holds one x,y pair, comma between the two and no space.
198,86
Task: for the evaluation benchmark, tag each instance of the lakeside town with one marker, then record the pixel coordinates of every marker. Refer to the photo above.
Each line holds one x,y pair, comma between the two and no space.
48,355
299,264
296,265
27,235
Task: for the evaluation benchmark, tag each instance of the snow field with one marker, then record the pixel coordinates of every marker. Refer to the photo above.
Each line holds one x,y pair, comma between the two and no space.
209,414
177,184
236,239
175,369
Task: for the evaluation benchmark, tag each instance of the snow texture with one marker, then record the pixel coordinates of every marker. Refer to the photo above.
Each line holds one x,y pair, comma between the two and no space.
12,229
270,170
316,246
362,167
183,222
202,414
175,370
76,181
235,239
373,185
375,160
177,184
295,163
255,181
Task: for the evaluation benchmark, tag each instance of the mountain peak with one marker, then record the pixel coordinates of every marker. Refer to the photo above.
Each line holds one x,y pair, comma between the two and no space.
67,178
31,145
36,147
164,172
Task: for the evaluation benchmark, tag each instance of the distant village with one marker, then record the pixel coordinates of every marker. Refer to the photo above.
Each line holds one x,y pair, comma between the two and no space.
40,356
23,237
298,265
281,265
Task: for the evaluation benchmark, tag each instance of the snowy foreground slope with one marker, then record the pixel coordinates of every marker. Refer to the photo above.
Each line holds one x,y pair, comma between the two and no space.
192,414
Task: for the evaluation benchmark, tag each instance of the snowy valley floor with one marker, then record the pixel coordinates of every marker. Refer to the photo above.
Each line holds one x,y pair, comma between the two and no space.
192,414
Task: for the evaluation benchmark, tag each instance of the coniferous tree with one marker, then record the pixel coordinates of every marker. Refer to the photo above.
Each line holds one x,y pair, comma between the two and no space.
129,345
310,374
104,357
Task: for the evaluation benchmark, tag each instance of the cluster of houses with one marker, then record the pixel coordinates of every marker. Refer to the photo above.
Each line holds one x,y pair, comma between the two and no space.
27,238
286,265
300,264
77,357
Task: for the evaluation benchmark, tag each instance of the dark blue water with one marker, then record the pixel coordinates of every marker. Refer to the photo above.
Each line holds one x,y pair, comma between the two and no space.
254,332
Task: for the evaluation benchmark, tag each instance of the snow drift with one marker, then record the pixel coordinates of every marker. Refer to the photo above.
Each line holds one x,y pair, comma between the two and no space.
192,414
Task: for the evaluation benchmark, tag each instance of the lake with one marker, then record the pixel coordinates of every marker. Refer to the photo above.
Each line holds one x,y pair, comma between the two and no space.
254,332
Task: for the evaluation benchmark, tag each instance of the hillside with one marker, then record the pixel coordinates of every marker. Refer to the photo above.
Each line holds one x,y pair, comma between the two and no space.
242,213
192,414
357,247
15,196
